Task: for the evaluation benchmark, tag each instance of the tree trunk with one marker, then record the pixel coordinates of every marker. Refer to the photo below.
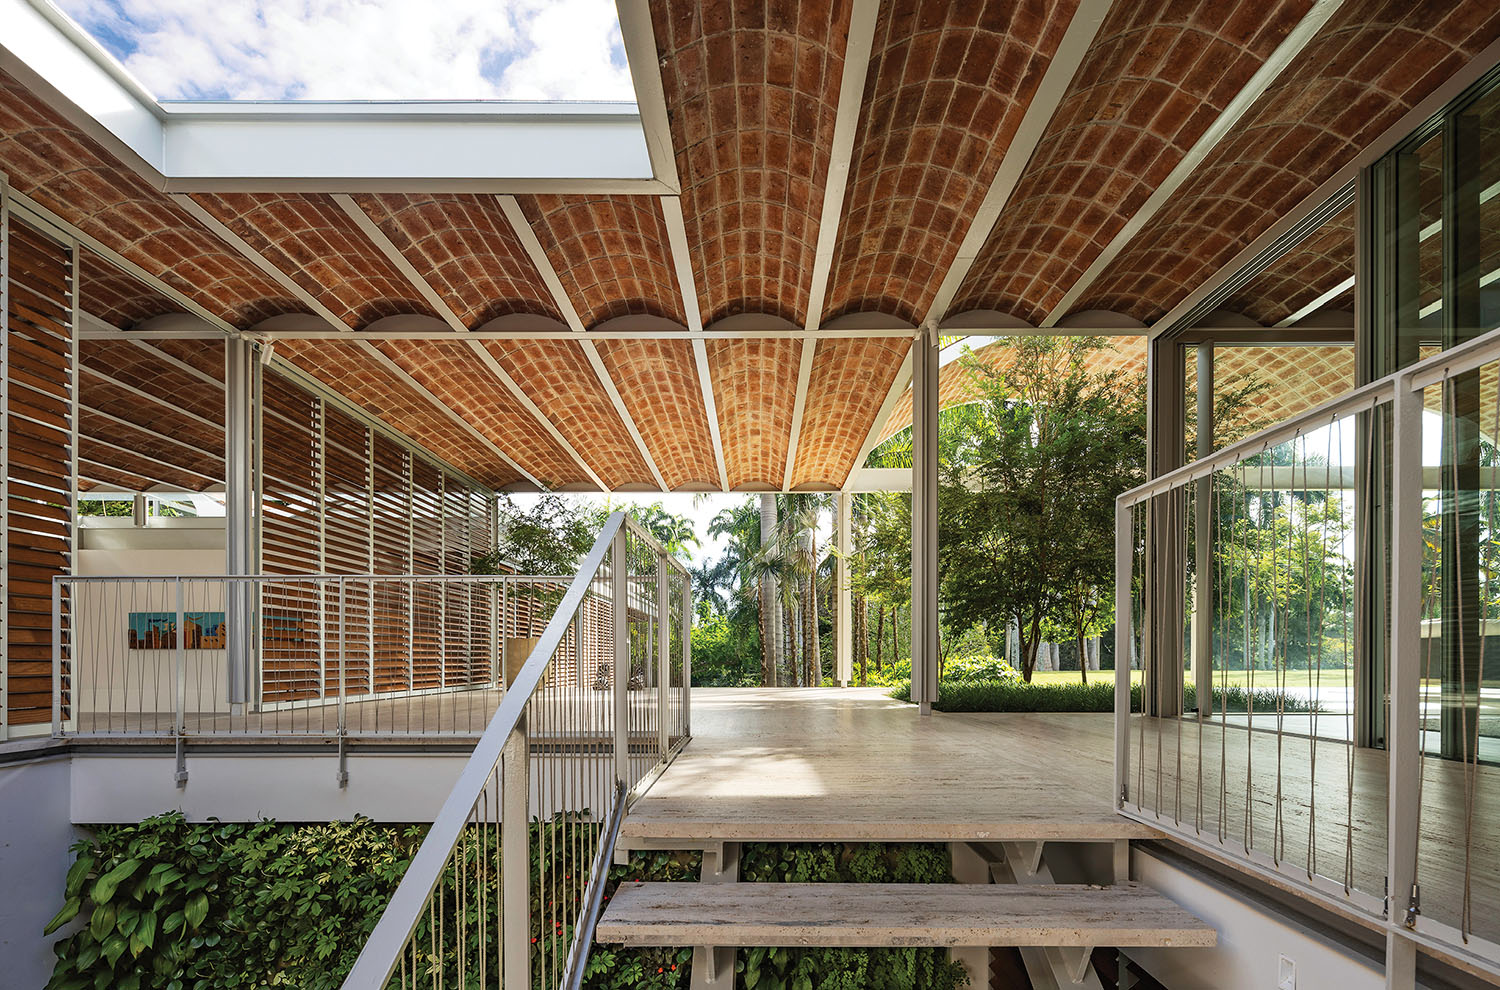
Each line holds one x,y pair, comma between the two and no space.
1083,660
789,631
769,601
879,637
861,637
812,656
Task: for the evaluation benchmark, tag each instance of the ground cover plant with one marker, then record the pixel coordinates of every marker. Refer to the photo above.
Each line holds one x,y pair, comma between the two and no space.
1011,696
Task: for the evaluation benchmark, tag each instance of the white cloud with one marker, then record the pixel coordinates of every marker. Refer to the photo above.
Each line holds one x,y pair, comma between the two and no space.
365,49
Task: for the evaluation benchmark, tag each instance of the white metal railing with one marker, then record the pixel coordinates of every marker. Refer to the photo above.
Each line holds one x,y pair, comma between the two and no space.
508,883
1312,705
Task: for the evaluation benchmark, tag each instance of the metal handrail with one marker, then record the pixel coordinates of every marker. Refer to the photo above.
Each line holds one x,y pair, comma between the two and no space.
383,951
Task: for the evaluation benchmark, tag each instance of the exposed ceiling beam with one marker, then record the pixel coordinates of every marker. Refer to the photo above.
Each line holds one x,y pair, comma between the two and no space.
543,264
1399,131
342,331
671,209
141,393
1312,22
861,42
129,425
440,306
1075,45
639,38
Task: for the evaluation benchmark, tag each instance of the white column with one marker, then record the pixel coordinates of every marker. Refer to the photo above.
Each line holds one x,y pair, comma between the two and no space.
1203,586
843,630
240,518
924,569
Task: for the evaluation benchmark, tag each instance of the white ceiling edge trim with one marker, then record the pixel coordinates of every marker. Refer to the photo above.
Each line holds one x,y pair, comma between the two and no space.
483,145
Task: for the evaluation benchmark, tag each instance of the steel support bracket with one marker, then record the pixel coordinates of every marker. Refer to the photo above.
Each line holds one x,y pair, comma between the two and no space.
1025,856
713,966
342,775
1076,961
181,774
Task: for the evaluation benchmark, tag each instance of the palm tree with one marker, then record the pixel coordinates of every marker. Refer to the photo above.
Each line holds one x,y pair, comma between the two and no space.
742,525
771,637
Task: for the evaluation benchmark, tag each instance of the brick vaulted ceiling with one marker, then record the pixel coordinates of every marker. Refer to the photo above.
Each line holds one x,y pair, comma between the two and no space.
775,202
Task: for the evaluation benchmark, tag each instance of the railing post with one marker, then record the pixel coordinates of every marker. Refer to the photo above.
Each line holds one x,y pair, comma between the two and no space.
687,654
1404,732
620,578
1124,637
57,688
663,656
515,858
342,656
179,722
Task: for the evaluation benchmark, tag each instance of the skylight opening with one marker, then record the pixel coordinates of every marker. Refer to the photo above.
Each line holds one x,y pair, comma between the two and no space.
375,50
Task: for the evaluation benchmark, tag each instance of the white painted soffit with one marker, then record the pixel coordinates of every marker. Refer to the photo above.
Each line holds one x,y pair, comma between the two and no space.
477,146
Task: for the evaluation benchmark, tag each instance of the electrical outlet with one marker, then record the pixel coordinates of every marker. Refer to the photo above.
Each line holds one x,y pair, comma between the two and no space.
1286,974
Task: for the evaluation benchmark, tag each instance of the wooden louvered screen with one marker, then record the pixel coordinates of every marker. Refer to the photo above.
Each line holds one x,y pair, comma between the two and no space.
391,525
428,648
39,472
291,540
347,539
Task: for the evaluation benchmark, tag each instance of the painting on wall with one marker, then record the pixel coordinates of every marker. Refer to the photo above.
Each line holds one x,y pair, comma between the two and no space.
158,630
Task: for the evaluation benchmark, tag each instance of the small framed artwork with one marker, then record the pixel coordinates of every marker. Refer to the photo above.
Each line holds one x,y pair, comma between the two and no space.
158,630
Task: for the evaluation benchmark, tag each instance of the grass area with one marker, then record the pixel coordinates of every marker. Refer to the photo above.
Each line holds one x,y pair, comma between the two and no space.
1264,679
1098,696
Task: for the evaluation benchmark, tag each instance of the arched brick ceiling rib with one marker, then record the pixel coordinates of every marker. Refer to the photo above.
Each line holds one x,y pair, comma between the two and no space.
609,252
850,379
755,388
453,373
947,88
557,376
147,453
68,173
311,240
349,370
102,458
658,382
99,477
205,355
1157,76
1368,66
752,91
150,376
466,250
1317,265
115,297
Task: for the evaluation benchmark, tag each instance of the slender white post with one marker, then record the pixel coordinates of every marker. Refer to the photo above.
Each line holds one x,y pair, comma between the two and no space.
687,655
515,858
1403,738
239,517
1203,584
1124,637
924,521
844,652
663,656
620,577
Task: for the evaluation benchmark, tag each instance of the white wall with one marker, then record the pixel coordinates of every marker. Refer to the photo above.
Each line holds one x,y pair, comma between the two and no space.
109,676
34,838
1252,941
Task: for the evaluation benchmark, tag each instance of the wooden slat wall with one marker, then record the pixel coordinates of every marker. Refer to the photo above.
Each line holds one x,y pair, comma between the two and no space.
38,369
343,498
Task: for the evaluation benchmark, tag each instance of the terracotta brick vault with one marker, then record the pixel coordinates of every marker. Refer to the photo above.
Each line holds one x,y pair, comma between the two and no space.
600,287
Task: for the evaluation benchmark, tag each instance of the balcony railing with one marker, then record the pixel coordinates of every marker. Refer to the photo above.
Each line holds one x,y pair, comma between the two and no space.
508,883
1309,610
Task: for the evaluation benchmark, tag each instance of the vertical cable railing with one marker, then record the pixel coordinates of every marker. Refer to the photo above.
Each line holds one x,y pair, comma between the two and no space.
508,884
1318,699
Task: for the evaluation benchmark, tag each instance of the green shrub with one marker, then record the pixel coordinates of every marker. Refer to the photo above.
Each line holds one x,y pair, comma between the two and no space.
1010,696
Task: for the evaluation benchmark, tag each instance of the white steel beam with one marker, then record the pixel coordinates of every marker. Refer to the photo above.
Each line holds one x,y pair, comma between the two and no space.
671,210
1286,52
861,42
378,238
1075,44
538,256
1373,152
639,39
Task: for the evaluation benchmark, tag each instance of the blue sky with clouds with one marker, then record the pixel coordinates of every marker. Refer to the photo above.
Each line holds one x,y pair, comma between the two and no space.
364,49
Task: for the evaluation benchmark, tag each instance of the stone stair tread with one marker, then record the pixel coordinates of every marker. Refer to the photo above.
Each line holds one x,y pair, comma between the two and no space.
896,914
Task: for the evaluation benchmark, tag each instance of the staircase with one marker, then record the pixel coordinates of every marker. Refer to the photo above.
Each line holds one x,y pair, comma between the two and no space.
1006,897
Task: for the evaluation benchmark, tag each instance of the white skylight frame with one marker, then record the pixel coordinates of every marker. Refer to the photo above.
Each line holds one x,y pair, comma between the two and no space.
463,146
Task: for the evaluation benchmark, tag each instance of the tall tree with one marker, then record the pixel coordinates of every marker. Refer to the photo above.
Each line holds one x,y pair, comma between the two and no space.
770,623
1027,490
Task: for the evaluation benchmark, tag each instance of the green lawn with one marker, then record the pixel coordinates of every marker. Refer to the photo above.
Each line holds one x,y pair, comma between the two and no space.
1237,678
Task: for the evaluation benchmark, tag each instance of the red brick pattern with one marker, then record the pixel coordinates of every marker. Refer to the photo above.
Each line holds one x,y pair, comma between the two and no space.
755,389
456,375
205,355
136,367
850,379
95,477
1369,65
610,253
1158,74
314,242
68,173
752,90
1321,262
115,297
349,370
557,376
658,382
947,88
466,250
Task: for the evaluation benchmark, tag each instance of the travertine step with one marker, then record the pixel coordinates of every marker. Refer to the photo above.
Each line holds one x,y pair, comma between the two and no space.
894,914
